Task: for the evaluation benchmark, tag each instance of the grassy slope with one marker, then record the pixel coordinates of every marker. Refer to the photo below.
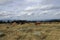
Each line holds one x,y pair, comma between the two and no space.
30,31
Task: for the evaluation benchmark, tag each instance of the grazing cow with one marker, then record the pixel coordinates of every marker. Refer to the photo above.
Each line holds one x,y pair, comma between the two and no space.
14,23
37,23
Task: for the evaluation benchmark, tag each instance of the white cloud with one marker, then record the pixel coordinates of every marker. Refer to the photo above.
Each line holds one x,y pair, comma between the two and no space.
31,7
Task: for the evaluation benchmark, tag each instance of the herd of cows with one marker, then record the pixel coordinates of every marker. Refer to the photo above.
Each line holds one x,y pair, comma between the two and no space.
36,23
24,21
21,22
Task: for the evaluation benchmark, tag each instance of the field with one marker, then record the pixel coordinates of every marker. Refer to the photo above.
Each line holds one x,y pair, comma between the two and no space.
30,31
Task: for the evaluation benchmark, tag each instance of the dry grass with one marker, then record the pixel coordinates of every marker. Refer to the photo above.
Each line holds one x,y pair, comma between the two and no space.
44,31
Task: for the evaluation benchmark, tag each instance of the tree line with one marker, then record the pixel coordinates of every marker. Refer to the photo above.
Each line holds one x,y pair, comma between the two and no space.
25,21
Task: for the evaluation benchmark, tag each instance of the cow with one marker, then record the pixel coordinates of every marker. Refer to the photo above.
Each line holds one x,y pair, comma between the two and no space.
14,23
37,23
22,23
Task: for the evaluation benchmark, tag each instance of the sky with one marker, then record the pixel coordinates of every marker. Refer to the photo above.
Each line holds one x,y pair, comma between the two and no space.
29,9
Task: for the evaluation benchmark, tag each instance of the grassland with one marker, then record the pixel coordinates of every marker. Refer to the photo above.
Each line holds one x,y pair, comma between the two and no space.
44,31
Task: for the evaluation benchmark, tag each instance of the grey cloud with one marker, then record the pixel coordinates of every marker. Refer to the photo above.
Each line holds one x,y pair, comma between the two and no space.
16,9
2,2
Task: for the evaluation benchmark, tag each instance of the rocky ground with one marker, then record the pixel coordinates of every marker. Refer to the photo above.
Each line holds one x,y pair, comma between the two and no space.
30,31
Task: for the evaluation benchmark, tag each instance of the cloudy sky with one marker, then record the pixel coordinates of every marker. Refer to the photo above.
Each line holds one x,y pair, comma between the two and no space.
29,9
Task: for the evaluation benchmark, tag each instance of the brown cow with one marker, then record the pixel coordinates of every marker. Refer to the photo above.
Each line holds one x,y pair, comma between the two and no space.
37,23
14,23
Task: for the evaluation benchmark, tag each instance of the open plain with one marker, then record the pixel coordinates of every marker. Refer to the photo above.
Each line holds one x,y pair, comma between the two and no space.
30,31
